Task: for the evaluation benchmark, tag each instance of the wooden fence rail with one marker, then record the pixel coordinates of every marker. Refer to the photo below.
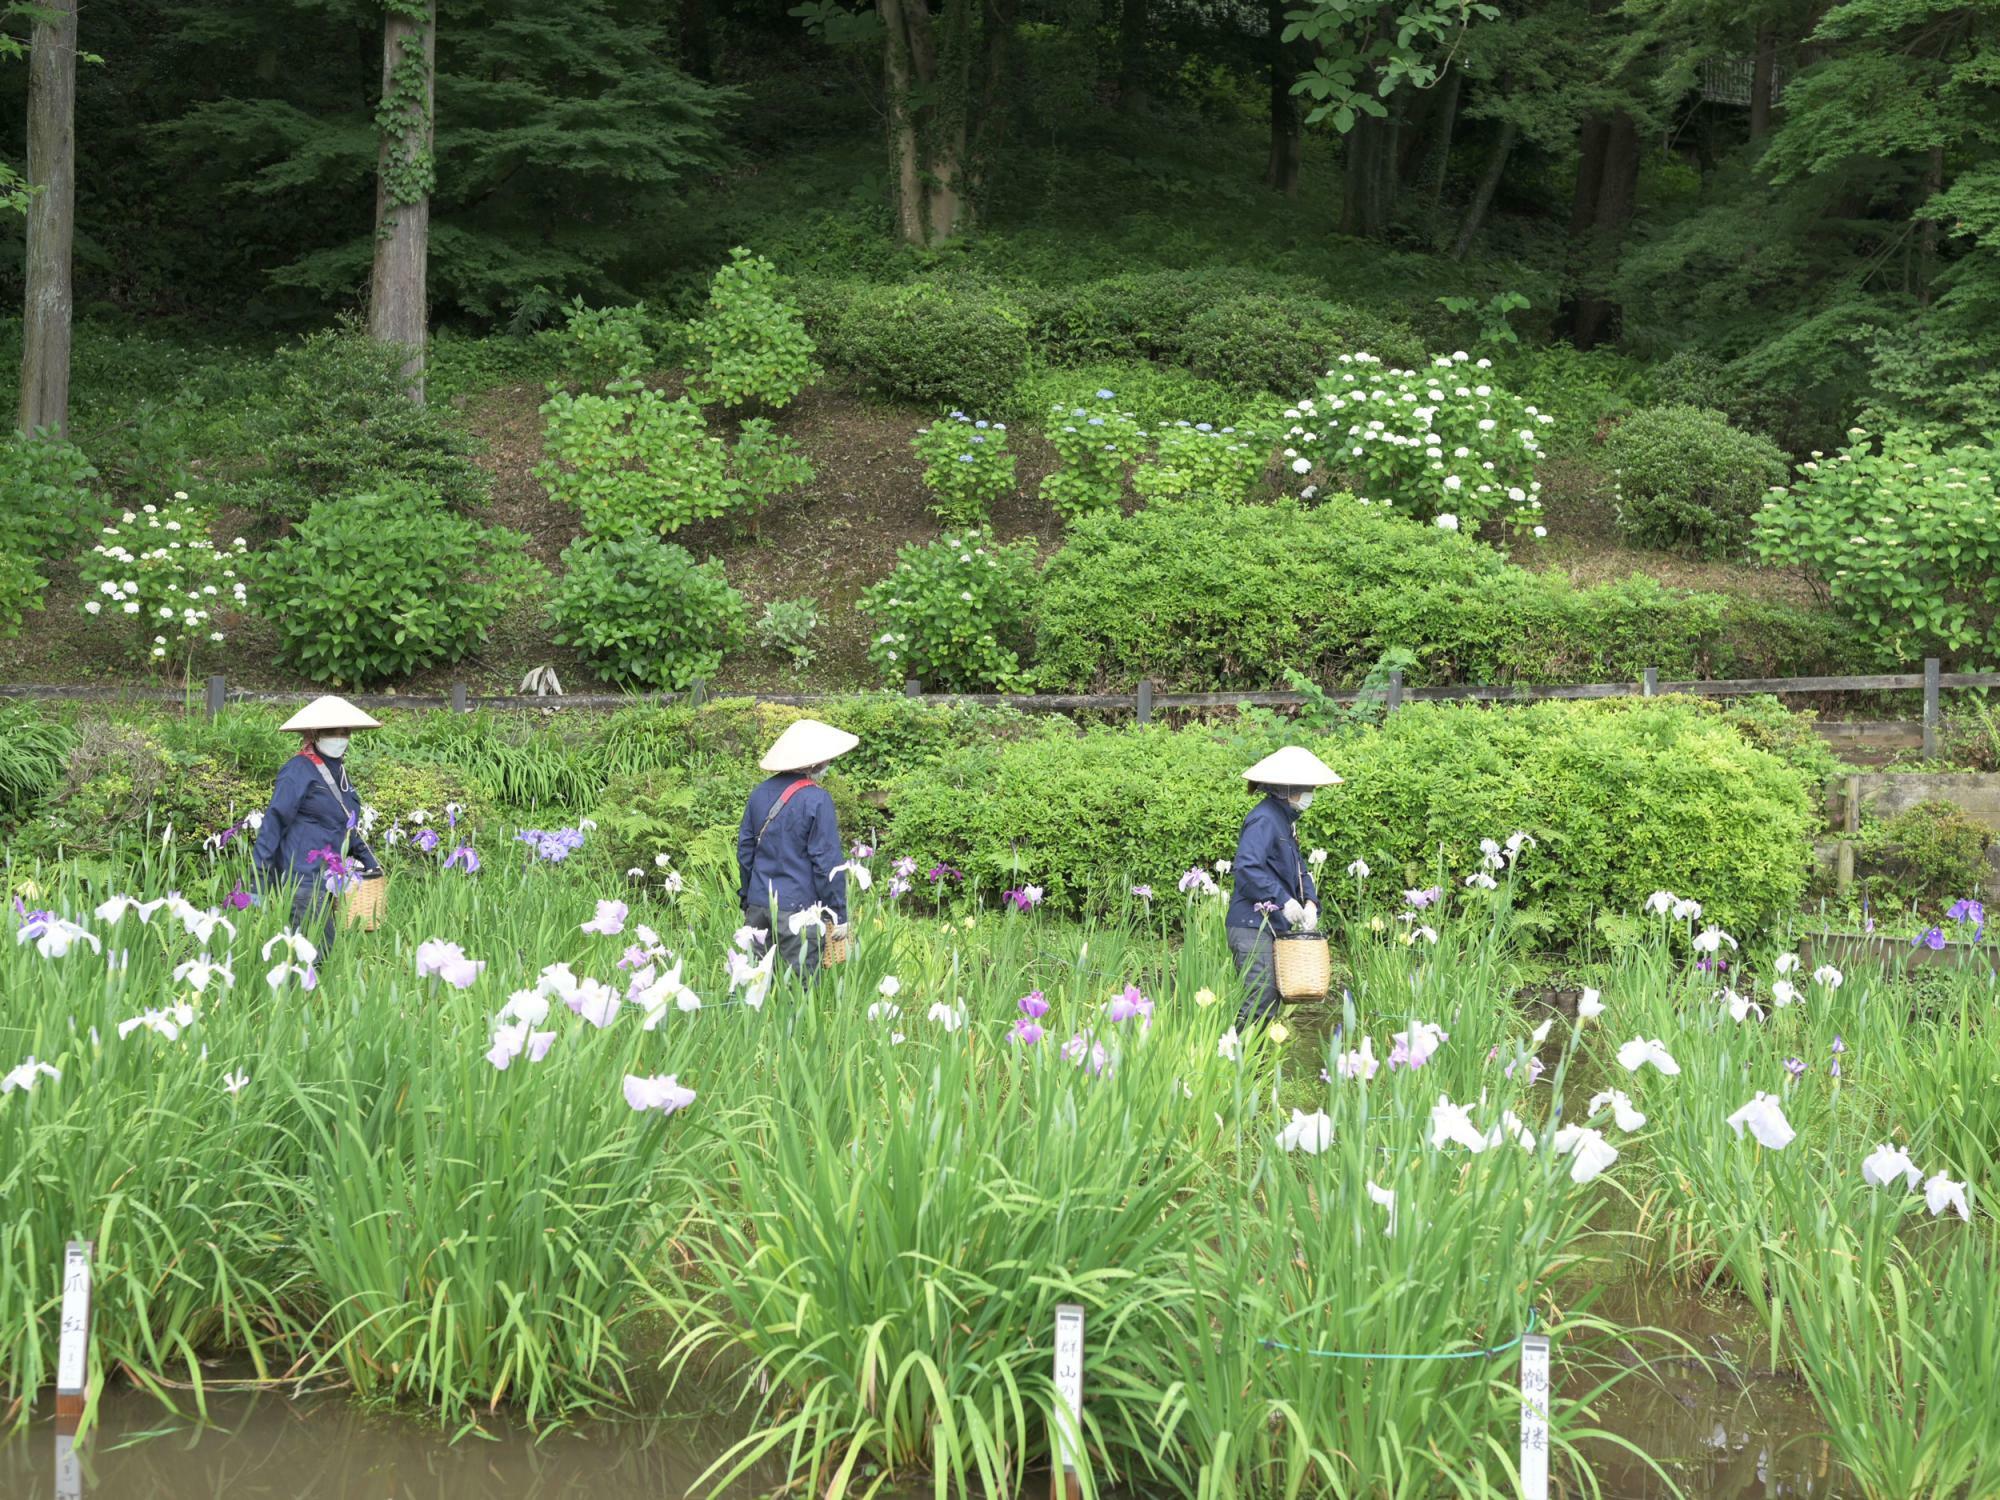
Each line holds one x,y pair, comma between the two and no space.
1143,703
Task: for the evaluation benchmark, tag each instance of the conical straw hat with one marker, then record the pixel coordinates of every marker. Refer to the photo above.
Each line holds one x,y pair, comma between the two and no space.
330,713
807,743
1292,766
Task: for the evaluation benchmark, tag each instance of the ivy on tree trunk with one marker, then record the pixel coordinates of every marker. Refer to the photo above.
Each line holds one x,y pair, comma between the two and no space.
927,66
45,322
406,173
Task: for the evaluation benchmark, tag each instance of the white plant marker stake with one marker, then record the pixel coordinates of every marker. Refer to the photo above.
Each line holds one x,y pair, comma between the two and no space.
1068,1444
73,1348
69,1473
1535,1417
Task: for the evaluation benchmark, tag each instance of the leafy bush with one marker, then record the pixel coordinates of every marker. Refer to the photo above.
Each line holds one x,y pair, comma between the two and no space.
33,752
157,576
642,610
375,586
1587,389
1261,341
20,590
1690,377
339,423
952,613
603,344
1201,594
46,500
966,466
1688,480
632,459
786,628
751,344
1199,458
1446,445
1904,537
767,463
120,783
1157,395
933,345
1097,442
1928,855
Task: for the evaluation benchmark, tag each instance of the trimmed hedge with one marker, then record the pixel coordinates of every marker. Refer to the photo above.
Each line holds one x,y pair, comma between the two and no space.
1205,595
1624,798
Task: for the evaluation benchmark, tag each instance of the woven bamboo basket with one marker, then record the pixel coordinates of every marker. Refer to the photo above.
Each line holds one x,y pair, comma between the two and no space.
1304,966
363,903
833,950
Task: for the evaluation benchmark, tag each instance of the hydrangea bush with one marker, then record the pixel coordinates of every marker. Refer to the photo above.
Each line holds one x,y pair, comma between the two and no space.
751,343
1905,536
966,466
1446,445
158,577
953,613
1097,444
644,611
1199,458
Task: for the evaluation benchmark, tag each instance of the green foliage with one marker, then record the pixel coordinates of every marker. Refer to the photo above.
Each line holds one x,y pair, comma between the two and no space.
1262,341
1199,458
339,421
20,590
34,749
643,611
122,784
1493,317
1204,595
1096,441
1362,54
952,613
966,466
1158,395
375,586
157,577
932,345
767,463
1928,856
1446,445
1690,377
1688,480
603,344
752,346
46,501
631,459
1905,537
786,628
1587,390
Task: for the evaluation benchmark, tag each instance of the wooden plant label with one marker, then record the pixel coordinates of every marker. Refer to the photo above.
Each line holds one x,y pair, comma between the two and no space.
1535,1417
73,1348
1068,1444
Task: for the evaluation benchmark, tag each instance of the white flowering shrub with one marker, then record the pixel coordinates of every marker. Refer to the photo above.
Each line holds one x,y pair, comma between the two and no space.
1446,445
953,613
157,576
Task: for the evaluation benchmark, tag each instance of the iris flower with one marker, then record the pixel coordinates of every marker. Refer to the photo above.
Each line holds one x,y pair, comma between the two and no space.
1229,1046
24,1076
1310,1133
1027,898
447,961
1413,1048
1711,940
1033,1005
1589,1005
1357,868
1636,1053
595,1001
1829,976
950,1017
884,1010
1451,1125
855,871
529,1006
1882,1166
1623,1115
609,921
1387,1199
753,979
197,972
54,936
1765,1119
169,1023
1741,1006
663,1092
235,1083
1940,1193
1027,1032
1589,1152
1787,963
1130,1004
509,1042
1197,882
1783,993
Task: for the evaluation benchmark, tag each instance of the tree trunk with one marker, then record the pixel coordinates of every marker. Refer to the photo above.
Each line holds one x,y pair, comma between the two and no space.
1592,313
45,320
1763,77
1281,171
1442,130
1132,57
1591,138
1489,184
406,172
1363,206
1928,237
928,116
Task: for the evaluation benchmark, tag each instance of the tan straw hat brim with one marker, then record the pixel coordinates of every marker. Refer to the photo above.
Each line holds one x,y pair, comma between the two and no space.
1293,766
329,713
807,743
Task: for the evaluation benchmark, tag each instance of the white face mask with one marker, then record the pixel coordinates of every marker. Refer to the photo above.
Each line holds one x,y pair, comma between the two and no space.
1305,801
333,745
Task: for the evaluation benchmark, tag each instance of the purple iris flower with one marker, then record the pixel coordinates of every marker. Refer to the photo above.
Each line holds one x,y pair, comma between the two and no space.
425,839
1130,1004
939,874
239,898
464,855
1796,1066
1969,910
1027,1032
1033,1006
1931,938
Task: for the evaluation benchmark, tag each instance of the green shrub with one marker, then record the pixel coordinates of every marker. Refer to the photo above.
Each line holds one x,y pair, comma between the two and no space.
1263,341
1622,798
1691,377
1587,390
1928,856
933,345
751,343
120,783
952,613
1201,595
643,611
966,466
766,464
630,459
1905,537
603,344
339,423
396,785
375,586
1097,442
1199,458
47,503
20,590
34,749
1157,395
1688,480
786,628
155,579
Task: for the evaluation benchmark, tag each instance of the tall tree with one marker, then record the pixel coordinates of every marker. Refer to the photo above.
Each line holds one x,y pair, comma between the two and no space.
45,323
406,172
927,75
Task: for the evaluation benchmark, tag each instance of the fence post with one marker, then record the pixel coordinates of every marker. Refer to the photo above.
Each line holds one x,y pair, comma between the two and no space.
217,691
697,693
460,703
1395,697
1930,707
1143,708
912,688
1649,682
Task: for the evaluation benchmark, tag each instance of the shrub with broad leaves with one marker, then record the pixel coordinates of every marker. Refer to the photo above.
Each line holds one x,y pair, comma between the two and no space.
157,576
1905,537
1200,458
952,613
643,611
966,466
1446,445
751,344
1097,443
1690,481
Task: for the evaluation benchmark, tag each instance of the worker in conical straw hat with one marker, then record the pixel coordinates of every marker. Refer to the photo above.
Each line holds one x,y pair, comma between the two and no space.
788,849
1270,872
310,845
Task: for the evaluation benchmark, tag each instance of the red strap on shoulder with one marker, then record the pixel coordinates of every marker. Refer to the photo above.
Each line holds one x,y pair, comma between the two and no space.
798,786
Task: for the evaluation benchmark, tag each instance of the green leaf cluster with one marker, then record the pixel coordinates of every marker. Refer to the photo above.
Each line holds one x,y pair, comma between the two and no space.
952,613
643,611
1097,442
751,345
1689,481
966,466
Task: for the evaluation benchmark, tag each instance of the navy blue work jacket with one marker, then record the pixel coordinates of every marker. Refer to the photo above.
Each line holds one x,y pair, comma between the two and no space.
795,860
304,815
1269,866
